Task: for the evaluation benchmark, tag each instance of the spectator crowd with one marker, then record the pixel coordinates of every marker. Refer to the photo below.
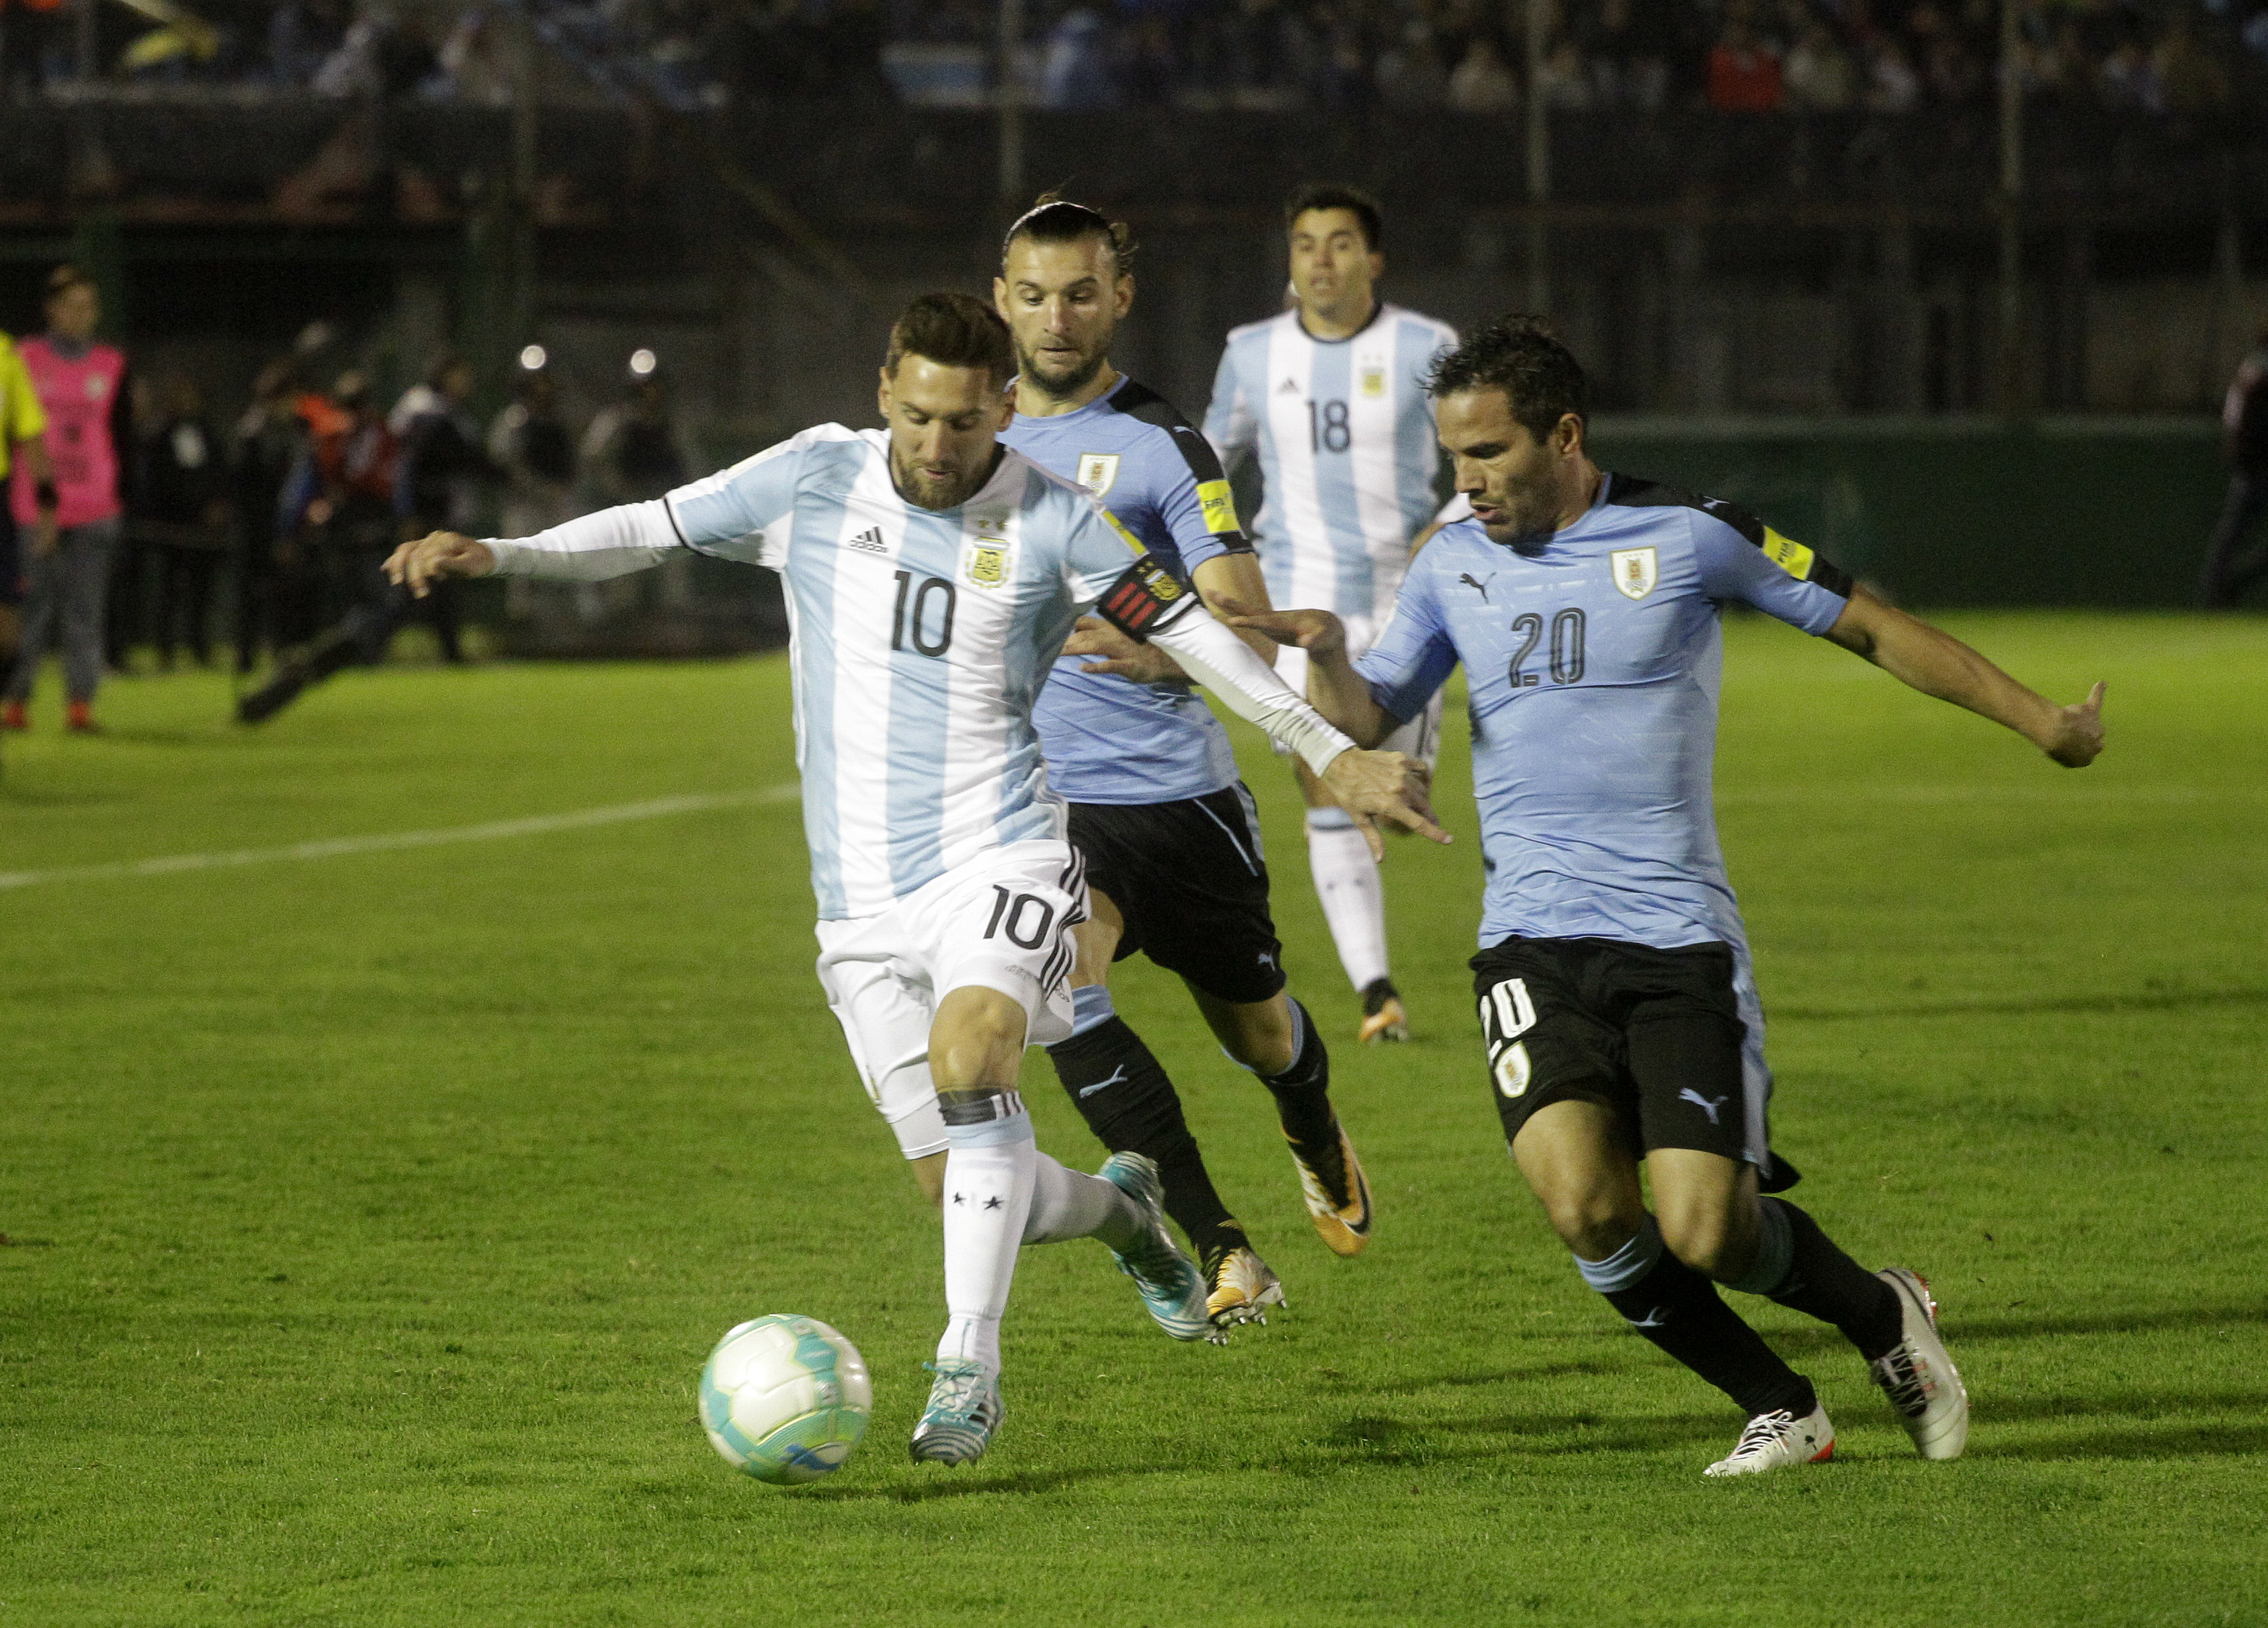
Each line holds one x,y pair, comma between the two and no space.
2162,56
141,526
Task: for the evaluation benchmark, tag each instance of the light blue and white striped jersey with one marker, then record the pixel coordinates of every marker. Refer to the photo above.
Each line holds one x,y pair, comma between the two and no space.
1345,431
918,642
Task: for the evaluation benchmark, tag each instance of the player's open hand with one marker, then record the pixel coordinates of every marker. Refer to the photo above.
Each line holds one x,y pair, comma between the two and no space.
2076,738
1383,785
418,565
1317,632
1121,656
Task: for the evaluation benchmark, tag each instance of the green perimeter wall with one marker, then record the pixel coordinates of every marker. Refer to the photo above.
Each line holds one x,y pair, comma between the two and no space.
2111,512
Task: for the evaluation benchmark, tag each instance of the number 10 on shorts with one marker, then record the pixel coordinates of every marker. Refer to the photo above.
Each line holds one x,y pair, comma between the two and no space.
1023,918
1507,1014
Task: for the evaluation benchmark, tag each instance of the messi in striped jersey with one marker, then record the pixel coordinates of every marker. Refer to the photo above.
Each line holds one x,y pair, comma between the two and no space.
931,576
1330,397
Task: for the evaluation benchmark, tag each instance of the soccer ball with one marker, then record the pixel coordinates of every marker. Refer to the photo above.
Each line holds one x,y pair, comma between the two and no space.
784,1399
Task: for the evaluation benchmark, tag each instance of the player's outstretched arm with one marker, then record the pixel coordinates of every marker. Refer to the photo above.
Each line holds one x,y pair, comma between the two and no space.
1369,785
417,565
1227,583
1938,663
1336,690
593,548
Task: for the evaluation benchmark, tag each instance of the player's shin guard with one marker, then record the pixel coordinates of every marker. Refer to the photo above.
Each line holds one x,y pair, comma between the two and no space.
1352,898
1122,1093
1303,1091
1680,1311
988,1198
1800,1266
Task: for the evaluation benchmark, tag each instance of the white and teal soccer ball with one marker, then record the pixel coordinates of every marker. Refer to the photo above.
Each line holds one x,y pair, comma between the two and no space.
784,1399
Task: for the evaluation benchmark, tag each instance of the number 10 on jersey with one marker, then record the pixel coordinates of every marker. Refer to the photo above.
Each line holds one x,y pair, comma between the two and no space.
913,614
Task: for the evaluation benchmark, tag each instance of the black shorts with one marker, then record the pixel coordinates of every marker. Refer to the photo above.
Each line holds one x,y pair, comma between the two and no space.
1653,1035
1192,882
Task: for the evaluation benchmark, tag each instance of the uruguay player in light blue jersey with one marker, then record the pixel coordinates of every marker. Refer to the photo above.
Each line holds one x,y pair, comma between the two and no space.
1331,397
1620,1019
932,577
1174,864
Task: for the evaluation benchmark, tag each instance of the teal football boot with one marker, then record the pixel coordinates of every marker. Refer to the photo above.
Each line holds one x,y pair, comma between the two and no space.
1172,1286
964,1409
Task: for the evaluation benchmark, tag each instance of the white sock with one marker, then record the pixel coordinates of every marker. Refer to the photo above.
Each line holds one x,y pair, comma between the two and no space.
1354,903
1069,1204
988,1196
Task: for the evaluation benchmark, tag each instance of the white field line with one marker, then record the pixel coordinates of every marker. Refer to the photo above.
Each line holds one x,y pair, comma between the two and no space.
386,842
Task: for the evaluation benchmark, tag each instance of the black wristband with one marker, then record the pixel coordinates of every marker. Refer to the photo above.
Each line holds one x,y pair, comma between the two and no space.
44,496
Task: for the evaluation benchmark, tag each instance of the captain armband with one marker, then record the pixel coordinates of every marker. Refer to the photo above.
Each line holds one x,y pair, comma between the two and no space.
1146,599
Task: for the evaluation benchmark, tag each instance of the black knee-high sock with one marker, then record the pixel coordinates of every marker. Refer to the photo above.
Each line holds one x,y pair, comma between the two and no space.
1303,1091
1823,1282
1680,1311
1122,1093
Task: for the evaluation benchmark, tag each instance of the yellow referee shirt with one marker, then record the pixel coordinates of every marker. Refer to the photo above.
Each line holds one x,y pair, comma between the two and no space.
21,417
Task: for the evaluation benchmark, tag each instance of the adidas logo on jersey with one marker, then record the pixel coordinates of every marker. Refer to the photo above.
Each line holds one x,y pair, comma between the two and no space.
1290,387
870,541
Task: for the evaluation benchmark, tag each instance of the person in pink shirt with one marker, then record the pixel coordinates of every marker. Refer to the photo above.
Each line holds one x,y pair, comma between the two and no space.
80,385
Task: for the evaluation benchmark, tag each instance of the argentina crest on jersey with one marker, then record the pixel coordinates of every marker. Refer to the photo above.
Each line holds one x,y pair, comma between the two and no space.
985,557
1635,571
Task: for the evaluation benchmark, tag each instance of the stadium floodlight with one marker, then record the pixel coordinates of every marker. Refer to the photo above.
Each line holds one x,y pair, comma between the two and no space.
533,357
643,362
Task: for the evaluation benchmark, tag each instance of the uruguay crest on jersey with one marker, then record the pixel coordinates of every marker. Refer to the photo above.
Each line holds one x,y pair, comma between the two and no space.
1635,571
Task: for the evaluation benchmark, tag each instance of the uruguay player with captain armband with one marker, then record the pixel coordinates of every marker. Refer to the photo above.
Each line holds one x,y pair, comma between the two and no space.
932,576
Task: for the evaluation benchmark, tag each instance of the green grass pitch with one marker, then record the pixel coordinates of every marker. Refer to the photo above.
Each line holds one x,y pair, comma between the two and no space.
372,1213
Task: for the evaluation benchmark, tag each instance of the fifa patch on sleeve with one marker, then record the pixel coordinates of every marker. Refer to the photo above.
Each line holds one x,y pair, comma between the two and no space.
1219,507
1147,599
1790,555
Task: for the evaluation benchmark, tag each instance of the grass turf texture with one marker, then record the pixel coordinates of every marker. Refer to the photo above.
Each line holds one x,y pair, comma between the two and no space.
373,1213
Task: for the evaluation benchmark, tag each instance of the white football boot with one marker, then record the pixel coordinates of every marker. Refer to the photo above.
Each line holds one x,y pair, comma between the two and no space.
1776,1440
1919,1376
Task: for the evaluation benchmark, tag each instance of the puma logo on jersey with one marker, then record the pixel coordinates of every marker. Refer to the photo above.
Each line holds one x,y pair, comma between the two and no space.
1478,586
1705,1104
1117,1078
870,541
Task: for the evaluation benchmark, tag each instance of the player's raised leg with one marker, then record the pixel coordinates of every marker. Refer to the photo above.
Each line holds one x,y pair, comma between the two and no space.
1000,1192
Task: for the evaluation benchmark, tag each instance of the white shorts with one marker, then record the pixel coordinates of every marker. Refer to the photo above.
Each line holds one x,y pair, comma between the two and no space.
1420,738
1001,923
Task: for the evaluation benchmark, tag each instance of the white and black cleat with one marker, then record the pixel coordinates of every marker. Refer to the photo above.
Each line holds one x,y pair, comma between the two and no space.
1918,1375
1776,1440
